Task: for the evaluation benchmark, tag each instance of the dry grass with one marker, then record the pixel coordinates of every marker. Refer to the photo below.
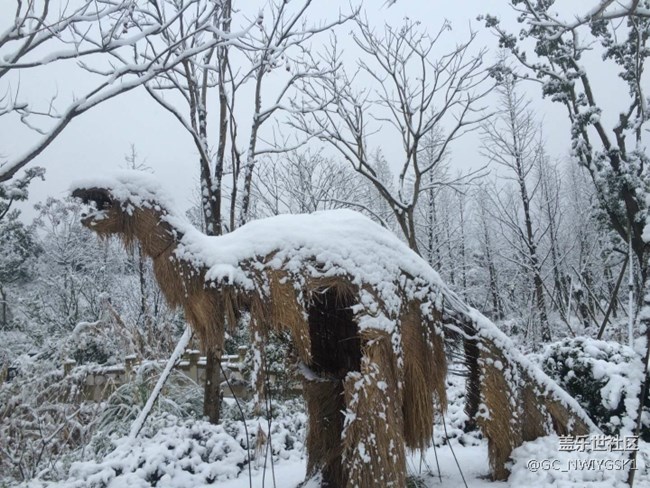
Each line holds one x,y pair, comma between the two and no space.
373,438
324,400
518,410
388,391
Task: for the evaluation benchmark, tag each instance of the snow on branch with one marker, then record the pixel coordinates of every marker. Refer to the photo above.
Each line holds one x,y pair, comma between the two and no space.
101,35
401,85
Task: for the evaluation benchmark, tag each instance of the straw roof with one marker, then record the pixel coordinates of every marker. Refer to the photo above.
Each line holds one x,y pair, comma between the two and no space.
367,317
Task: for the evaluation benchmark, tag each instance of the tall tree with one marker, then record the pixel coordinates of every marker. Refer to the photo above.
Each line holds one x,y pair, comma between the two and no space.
408,88
90,31
611,148
487,261
511,139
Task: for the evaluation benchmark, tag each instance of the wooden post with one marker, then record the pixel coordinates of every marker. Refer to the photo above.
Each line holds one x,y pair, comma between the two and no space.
194,364
211,397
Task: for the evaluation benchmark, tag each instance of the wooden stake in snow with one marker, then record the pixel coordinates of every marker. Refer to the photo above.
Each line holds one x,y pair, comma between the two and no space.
180,347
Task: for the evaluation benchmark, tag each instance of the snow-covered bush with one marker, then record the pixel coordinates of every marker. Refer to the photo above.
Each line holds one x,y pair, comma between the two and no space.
604,377
180,397
43,419
176,453
181,452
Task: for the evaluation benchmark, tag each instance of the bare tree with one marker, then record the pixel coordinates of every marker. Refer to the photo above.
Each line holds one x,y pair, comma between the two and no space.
487,259
280,43
614,154
549,207
88,32
302,181
512,140
413,92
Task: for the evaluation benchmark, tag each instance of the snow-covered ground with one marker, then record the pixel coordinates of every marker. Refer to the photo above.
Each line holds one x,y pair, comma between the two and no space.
437,468
473,460
189,453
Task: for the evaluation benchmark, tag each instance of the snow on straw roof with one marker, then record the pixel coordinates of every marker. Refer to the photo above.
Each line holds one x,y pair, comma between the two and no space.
326,243
333,243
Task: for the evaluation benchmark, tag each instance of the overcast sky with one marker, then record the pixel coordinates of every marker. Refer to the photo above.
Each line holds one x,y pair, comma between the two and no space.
99,139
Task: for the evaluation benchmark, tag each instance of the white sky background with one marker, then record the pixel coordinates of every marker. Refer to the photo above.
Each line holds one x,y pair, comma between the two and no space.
98,140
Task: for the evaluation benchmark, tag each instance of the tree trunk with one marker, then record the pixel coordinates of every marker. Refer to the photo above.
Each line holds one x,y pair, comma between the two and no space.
473,386
4,309
497,308
212,397
143,282
434,240
463,259
644,319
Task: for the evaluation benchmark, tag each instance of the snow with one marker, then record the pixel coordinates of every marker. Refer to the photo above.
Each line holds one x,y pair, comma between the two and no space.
173,453
326,244
178,351
337,242
575,469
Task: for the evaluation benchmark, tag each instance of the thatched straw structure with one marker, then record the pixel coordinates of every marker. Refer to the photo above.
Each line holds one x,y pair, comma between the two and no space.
366,316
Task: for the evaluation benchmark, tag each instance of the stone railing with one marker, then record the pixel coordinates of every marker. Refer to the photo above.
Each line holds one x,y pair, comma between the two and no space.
101,382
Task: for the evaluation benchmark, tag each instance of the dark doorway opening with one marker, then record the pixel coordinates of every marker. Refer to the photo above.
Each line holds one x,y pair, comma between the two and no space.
335,343
335,351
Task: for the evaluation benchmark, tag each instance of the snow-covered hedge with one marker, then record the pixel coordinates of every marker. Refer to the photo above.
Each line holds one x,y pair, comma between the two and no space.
605,377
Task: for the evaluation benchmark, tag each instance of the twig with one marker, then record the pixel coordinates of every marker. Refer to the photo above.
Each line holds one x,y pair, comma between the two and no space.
142,417
614,297
444,426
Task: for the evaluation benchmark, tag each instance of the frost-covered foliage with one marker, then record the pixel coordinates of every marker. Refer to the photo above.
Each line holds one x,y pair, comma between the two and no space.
43,418
102,303
554,45
178,452
72,272
604,377
49,419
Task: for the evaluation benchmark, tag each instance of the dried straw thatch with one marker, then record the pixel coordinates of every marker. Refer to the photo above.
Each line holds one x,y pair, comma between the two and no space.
366,318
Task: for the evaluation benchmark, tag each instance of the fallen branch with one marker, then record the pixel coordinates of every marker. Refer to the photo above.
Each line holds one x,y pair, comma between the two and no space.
180,347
